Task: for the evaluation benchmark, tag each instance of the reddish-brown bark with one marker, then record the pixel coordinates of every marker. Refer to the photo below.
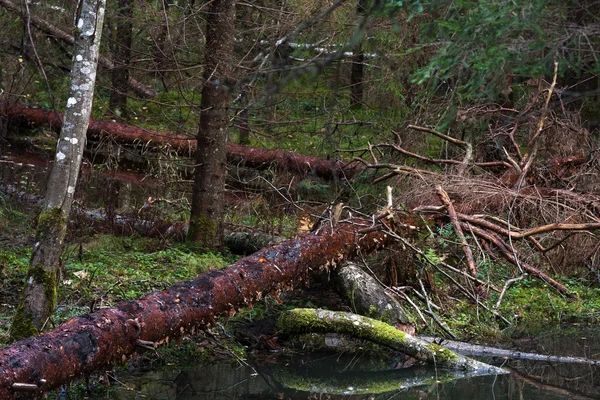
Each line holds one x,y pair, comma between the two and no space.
90,342
254,157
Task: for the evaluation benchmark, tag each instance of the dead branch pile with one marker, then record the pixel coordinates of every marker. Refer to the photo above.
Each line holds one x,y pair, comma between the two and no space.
538,209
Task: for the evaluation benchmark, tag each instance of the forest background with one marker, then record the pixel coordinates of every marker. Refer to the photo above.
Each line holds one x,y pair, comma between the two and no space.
481,117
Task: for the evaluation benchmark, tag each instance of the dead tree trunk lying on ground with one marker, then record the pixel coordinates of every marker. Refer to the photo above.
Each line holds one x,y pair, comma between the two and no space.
476,350
305,320
254,157
87,343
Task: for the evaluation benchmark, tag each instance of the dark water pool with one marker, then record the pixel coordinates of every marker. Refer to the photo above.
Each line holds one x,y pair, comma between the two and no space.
341,376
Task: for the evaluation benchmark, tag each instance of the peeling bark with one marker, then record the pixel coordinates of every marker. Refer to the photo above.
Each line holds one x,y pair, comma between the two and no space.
254,157
90,342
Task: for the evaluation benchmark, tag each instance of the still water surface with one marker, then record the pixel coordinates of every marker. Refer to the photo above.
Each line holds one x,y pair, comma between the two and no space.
358,377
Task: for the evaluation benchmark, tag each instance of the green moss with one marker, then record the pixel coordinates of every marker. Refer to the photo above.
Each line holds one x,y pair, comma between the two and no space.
51,217
442,354
52,222
204,228
48,280
22,324
308,320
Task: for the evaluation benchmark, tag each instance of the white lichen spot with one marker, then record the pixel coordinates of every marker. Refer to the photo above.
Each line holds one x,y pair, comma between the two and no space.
79,57
77,114
60,156
30,281
85,86
74,87
71,102
74,141
85,70
71,189
80,24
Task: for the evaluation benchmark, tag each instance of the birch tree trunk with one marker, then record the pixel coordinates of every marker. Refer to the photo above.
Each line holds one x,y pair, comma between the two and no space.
206,220
39,297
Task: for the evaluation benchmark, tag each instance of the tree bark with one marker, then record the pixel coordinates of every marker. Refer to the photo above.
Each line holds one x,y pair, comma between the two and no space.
122,58
368,297
253,157
357,65
39,297
207,212
139,88
87,343
477,350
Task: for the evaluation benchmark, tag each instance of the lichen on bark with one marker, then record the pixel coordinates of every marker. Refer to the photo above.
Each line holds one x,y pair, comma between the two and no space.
39,296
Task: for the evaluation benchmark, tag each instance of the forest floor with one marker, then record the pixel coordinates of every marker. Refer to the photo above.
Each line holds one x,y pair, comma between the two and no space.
102,269
99,270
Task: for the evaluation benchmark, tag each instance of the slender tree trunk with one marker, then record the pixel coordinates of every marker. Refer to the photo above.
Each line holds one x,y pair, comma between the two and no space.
357,66
3,96
39,297
206,221
160,42
243,120
122,58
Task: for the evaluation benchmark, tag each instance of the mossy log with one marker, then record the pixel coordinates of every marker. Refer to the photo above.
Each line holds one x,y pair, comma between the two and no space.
91,342
303,320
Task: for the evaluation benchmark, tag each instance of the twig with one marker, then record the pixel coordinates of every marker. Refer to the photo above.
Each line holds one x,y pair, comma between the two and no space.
533,144
454,219
447,138
511,255
432,314
445,265
505,288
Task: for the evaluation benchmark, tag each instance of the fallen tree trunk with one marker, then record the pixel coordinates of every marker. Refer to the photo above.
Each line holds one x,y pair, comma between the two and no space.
303,320
477,350
90,342
139,88
254,157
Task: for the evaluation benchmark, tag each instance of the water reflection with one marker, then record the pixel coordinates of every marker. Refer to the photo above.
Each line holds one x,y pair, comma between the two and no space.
358,377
